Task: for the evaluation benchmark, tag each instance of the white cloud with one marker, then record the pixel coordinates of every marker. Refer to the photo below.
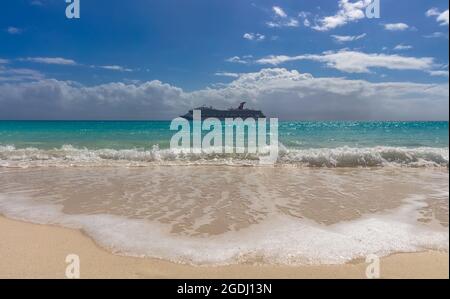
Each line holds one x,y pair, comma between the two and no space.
53,99
289,23
282,93
50,60
254,36
306,23
248,36
441,17
357,62
402,47
348,38
237,59
14,30
115,68
279,12
227,74
348,12
4,61
439,73
396,27
304,15
281,19
432,12
70,62
19,74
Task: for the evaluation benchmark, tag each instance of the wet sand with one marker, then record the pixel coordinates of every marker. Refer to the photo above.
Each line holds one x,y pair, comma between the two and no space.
211,200
39,251
269,216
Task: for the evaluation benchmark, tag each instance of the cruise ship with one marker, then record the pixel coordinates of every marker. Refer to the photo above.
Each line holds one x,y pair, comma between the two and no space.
240,112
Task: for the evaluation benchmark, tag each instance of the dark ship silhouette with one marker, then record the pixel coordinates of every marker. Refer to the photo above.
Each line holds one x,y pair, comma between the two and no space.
240,112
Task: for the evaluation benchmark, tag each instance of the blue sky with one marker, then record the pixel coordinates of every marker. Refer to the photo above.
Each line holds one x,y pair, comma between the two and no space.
193,46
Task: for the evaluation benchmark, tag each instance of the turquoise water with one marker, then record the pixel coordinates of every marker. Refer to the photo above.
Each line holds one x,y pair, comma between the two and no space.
314,144
146,134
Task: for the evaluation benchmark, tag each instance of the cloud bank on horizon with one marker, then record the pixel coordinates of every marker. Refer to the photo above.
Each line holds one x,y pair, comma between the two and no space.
324,61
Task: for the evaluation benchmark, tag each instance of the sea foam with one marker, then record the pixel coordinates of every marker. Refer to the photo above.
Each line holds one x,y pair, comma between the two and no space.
380,156
278,240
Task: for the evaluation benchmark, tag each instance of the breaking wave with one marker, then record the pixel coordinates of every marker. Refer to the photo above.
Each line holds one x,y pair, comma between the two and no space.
380,156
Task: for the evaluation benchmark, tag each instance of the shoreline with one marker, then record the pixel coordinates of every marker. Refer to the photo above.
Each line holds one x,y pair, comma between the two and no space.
39,251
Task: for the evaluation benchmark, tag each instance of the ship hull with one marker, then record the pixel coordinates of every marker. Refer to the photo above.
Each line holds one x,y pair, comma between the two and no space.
223,114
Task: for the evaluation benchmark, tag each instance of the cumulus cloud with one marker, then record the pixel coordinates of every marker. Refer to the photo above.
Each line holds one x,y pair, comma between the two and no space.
396,26
357,62
348,38
227,74
254,36
441,17
348,12
279,92
432,12
53,99
50,60
279,12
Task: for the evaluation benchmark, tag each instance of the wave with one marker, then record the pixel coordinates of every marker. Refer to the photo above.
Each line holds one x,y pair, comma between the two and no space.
279,240
369,157
380,156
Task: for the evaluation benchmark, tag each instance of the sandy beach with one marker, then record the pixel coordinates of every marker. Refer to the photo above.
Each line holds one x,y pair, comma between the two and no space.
39,251
134,223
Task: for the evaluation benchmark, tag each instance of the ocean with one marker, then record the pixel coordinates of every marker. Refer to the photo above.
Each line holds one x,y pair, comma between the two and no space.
317,143
339,191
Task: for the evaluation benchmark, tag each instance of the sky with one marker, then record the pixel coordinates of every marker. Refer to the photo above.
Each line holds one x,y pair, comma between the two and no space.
295,60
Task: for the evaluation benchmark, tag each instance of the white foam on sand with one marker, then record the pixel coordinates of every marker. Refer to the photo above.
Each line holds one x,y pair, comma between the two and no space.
280,240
